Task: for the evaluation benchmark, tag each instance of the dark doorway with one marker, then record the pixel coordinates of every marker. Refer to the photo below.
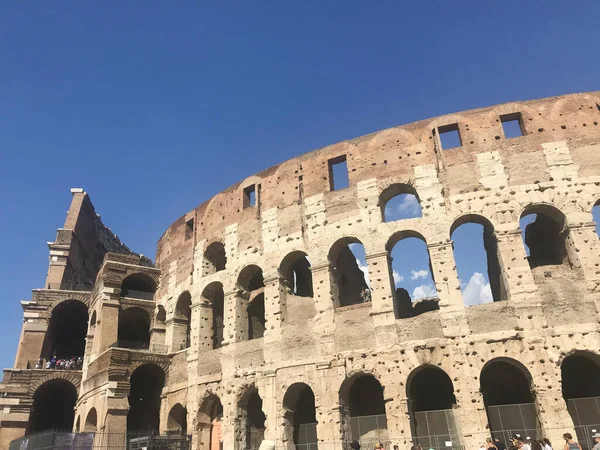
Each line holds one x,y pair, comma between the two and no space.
211,330
214,259
53,407
182,322
138,286
431,401
256,317
146,383
300,415
295,270
544,232
362,398
349,285
255,420
177,421
134,329
67,330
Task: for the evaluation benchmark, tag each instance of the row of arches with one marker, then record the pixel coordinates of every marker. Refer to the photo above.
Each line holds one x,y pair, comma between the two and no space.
505,384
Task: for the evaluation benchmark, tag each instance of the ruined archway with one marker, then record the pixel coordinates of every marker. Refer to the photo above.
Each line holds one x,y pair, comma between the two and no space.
477,260
398,202
295,271
431,402
177,420
251,301
208,423
300,420
545,233
139,286
212,314
506,388
363,409
91,422
67,330
53,406
182,322
214,259
134,329
349,284
146,384
251,424
256,317
580,374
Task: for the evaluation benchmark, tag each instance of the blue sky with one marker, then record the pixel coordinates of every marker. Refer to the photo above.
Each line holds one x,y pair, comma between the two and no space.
153,108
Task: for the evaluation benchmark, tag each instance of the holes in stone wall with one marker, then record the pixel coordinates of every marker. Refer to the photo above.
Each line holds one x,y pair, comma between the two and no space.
349,280
338,173
398,202
449,136
477,260
512,125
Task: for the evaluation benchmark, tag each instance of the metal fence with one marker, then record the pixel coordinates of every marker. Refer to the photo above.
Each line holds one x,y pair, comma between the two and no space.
64,440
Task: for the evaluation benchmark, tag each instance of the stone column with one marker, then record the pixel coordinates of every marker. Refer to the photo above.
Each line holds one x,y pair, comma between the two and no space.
268,393
327,405
583,248
236,318
516,274
107,326
452,310
274,316
382,298
31,341
324,318
470,414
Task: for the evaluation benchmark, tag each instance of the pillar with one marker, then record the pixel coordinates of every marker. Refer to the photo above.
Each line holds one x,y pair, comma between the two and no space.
382,298
324,317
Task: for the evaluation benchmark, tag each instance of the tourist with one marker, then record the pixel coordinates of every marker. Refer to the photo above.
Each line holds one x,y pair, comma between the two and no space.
570,444
537,445
596,437
39,363
355,445
489,444
499,444
53,362
546,443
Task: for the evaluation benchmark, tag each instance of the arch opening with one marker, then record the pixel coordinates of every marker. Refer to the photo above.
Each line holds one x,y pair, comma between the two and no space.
138,285
177,420
214,259
300,416
53,407
580,374
363,409
210,416
431,401
399,202
349,273
295,270
256,317
596,216
91,422
182,322
213,309
252,302
414,290
146,384
545,232
252,420
67,330
134,329
506,388
477,260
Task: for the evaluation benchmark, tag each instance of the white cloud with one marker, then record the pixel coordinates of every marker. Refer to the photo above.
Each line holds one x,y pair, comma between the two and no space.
408,207
365,270
424,291
397,277
477,291
418,274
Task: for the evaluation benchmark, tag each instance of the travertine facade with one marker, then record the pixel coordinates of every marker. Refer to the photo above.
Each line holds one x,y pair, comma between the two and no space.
205,322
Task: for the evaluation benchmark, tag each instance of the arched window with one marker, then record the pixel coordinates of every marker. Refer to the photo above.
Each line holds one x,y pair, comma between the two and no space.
53,406
349,273
177,421
91,422
134,329
580,374
146,383
399,202
214,259
251,420
210,416
252,285
431,401
212,314
300,416
182,322
477,260
596,215
544,231
295,270
67,330
506,388
363,409
414,287
138,285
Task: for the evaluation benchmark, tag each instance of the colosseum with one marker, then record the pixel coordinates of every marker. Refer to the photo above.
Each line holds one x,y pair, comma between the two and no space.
256,321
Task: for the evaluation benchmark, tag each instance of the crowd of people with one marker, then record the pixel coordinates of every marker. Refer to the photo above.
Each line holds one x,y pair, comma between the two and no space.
74,363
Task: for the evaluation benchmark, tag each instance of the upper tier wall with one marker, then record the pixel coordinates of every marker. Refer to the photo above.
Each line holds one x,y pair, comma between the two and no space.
390,156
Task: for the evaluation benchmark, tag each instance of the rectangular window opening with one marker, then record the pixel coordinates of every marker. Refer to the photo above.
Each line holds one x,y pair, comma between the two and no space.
512,124
449,136
338,173
189,229
250,196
